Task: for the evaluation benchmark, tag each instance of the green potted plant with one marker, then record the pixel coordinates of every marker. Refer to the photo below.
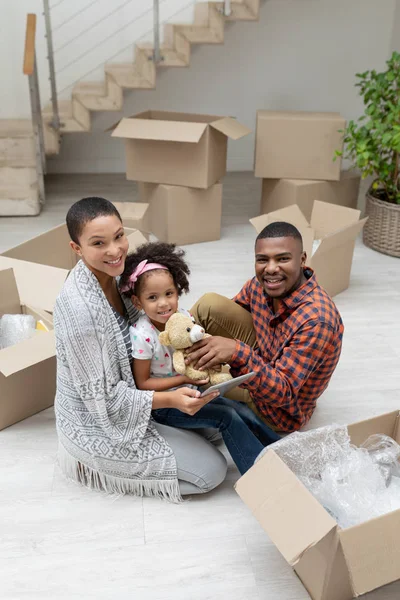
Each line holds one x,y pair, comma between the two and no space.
373,145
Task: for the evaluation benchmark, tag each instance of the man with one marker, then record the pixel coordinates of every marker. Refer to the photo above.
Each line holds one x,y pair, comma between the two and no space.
282,325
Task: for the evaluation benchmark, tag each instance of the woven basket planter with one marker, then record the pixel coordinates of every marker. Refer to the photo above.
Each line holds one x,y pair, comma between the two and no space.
382,230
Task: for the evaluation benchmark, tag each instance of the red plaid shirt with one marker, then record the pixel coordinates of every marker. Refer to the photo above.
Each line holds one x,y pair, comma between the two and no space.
298,350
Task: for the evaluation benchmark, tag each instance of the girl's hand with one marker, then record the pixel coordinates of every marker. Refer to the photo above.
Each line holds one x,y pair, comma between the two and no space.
188,400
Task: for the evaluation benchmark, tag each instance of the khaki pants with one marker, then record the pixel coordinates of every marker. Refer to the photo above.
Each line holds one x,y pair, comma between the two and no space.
221,316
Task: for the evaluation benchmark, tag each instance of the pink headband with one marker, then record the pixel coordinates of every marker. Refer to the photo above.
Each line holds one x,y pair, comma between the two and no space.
142,267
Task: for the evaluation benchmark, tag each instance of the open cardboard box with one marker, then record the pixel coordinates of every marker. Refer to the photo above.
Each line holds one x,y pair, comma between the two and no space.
332,563
298,145
177,148
335,227
52,248
27,369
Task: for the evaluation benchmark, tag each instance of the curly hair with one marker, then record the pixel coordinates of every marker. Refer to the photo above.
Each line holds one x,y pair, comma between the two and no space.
162,253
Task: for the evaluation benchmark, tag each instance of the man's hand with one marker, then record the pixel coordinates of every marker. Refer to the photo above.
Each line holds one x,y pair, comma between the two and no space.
210,352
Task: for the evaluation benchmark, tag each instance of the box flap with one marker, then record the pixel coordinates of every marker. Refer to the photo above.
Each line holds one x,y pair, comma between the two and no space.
27,353
385,424
50,248
372,552
135,239
9,298
339,238
131,210
231,128
290,214
167,131
38,285
327,218
286,510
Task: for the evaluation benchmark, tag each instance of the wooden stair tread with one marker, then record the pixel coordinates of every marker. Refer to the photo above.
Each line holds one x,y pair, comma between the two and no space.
14,128
91,88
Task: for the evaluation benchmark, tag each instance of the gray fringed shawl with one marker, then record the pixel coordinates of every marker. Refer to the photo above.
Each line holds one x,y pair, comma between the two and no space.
107,438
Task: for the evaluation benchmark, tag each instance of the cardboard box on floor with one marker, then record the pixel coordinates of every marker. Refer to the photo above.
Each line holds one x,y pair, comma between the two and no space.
298,145
335,228
332,563
177,148
38,285
135,215
27,369
184,215
52,248
279,193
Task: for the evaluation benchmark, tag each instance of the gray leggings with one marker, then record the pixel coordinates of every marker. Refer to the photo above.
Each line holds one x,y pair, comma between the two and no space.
201,467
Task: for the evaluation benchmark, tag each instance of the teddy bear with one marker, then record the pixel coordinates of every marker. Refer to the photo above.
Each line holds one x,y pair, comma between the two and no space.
181,333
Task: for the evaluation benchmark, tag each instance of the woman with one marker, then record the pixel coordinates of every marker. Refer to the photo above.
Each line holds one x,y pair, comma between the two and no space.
107,439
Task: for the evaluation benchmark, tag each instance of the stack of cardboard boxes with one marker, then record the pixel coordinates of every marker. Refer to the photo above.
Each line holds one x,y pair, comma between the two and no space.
178,160
294,157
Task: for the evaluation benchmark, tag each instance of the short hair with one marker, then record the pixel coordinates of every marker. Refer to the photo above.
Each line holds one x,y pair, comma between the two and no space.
86,210
280,229
167,255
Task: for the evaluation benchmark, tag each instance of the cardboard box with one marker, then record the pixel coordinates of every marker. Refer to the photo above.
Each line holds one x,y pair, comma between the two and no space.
27,369
38,285
135,215
52,248
177,148
184,215
335,228
298,145
279,193
332,563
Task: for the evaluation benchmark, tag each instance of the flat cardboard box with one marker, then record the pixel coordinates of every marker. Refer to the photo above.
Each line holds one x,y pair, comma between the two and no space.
279,193
27,369
332,563
135,215
52,248
298,145
335,228
184,215
177,148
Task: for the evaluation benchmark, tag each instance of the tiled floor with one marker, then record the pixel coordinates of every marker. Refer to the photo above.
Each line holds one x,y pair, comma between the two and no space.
60,541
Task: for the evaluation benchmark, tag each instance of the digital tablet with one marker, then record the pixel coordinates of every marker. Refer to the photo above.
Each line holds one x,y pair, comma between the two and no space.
222,388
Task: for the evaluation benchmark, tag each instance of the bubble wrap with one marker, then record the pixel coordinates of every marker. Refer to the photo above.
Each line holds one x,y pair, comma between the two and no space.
15,329
353,484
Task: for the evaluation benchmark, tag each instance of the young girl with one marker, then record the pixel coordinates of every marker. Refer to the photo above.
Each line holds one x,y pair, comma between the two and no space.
155,276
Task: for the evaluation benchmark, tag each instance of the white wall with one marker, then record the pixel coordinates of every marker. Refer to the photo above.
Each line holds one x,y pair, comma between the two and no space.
302,54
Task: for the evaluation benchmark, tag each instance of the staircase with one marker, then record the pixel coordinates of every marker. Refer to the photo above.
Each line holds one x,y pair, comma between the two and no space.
19,191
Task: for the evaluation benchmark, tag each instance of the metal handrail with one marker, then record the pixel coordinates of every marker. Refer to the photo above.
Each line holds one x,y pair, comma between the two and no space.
55,121
30,69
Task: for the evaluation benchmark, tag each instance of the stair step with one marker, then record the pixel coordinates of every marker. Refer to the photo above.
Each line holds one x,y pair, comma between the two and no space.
170,57
17,151
173,38
24,176
99,96
126,76
240,11
74,116
15,128
19,200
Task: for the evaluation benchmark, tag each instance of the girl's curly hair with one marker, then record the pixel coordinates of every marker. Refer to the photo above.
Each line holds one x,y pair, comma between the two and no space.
165,254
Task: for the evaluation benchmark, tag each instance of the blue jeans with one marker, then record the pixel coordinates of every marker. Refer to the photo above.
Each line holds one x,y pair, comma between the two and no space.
244,434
